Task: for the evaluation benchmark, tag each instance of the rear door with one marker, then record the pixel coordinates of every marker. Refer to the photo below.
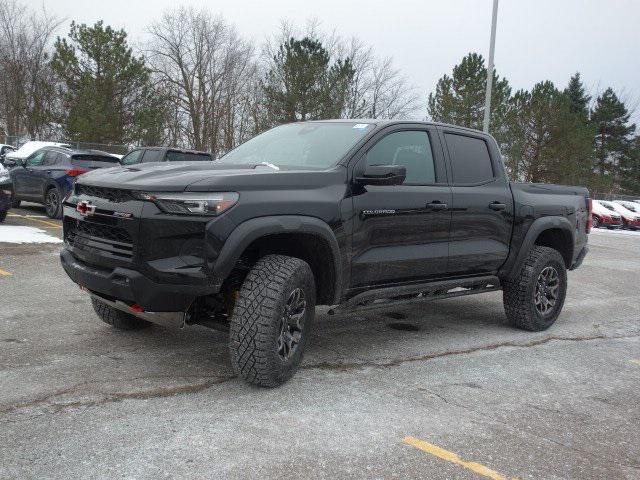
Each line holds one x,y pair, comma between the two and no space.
401,232
482,204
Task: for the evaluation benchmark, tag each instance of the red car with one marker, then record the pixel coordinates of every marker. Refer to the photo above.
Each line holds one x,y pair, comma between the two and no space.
605,217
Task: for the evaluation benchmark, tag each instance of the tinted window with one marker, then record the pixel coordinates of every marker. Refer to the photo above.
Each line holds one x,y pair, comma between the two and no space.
173,156
153,156
470,159
94,161
410,149
36,159
132,157
50,158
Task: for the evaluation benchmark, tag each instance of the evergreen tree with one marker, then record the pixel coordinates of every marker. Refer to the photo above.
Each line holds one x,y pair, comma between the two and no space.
459,99
577,96
612,140
303,84
106,90
546,140
630,169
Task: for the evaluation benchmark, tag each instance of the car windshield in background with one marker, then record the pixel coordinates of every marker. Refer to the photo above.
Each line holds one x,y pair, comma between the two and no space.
316,145
174,156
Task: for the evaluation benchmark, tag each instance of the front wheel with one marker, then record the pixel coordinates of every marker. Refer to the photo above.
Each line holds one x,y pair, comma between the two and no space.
271,320
595,222
117,318
534,298
15,202
53,203
3,215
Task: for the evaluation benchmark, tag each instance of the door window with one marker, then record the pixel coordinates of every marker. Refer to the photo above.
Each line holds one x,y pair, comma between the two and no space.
36,159
153,156
132,158
470,160
50,158
411,149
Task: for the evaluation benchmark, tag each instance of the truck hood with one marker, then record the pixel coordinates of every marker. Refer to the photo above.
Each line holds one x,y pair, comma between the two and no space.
198,176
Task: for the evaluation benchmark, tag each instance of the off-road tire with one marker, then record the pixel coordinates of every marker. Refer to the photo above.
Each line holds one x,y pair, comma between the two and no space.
518,293
256,321
15,203
3,215
117,318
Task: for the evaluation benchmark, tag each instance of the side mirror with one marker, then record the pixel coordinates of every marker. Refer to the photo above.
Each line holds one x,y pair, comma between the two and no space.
383,175
10,162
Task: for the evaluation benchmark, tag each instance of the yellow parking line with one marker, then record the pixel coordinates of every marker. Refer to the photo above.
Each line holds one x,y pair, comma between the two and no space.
51,224
4,273
452,457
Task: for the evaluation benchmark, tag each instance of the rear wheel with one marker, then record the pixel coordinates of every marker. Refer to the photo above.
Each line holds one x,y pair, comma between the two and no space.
271,319
3,215
117,318
534,299
53,203
15,203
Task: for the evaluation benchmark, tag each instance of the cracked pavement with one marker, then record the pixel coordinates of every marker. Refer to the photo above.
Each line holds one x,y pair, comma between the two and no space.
81,400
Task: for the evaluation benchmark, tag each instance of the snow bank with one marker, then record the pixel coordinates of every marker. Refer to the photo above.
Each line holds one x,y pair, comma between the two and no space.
604,231
18,234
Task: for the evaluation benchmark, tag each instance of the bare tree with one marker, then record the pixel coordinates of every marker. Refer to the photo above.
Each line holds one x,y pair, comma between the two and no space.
27,83
209,71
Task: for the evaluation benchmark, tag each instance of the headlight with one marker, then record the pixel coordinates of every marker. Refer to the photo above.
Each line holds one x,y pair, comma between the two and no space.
193,203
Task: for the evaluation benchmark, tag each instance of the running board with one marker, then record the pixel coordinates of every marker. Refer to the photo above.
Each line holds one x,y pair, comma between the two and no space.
405,295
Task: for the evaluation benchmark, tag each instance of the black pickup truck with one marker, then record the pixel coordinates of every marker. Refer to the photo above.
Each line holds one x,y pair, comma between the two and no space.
353,214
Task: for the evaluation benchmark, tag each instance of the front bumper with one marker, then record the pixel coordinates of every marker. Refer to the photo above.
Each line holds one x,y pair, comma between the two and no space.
131,287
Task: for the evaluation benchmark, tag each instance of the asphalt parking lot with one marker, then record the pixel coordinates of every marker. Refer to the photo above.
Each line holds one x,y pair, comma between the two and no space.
447,390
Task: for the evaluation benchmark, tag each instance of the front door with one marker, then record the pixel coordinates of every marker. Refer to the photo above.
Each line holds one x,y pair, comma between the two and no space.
401,232
24,183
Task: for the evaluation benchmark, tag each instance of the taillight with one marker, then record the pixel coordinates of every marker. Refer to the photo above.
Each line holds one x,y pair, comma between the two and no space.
74,172
590,213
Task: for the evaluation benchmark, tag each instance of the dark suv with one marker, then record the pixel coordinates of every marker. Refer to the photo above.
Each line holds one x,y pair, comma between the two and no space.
47,175
164,154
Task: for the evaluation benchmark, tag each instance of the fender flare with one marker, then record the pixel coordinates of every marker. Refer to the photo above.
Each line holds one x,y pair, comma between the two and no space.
247,232
537,227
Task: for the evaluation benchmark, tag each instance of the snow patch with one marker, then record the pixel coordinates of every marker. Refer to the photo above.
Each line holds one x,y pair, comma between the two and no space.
605,231
18,234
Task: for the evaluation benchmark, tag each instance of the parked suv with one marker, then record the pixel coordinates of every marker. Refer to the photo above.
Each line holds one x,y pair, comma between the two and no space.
164,154
353,214
47,175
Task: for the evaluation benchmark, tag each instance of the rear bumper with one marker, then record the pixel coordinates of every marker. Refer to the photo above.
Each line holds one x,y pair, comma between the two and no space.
580,258
131,287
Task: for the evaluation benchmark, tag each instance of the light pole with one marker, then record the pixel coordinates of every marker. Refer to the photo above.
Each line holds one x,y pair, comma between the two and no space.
492,47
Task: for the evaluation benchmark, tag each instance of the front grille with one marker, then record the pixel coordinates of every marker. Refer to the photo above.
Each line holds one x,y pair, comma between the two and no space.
115,195
97,238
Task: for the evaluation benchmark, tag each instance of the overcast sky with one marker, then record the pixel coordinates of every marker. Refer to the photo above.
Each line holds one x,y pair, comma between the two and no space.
536,39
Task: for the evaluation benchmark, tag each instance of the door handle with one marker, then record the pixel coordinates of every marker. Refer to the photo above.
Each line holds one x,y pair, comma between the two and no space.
436,205
497,206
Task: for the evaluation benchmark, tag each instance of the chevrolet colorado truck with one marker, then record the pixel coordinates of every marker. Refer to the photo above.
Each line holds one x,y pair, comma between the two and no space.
352,214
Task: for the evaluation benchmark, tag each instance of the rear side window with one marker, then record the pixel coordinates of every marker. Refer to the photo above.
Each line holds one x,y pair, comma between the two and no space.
153,156
94,161
173,156
470,160
410,149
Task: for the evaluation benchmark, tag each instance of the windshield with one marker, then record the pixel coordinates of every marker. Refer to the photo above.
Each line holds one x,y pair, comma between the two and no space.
608,206
316,145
